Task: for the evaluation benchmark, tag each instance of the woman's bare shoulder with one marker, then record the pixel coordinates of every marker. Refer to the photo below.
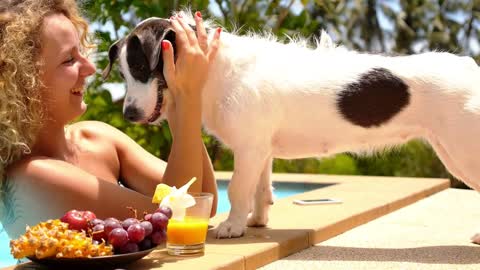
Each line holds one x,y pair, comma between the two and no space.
96,130
92,128
91,124
34,167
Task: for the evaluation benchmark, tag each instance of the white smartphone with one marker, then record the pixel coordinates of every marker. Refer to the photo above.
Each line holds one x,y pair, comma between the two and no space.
317,201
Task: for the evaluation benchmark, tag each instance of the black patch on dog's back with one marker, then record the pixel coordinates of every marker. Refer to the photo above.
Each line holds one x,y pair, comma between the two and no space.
375,98
137,60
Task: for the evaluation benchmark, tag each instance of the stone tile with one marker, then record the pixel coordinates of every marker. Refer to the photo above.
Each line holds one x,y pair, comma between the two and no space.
432,234
161,260
260,245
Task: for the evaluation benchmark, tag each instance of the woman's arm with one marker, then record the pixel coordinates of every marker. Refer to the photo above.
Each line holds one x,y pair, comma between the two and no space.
207,179
142,171
61,186
186,79
186,159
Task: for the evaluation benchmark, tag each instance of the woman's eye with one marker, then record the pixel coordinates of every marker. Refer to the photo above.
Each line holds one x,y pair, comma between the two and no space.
69,60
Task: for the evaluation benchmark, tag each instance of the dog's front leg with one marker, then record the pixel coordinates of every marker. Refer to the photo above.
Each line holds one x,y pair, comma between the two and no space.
248,164
263,198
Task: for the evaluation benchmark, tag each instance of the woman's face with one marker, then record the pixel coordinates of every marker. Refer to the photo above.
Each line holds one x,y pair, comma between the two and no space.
64,71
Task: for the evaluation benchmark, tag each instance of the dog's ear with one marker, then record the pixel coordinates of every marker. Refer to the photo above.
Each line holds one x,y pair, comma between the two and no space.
113,52
152,46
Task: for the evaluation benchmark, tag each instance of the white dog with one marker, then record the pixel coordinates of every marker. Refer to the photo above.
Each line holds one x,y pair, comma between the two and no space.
265,100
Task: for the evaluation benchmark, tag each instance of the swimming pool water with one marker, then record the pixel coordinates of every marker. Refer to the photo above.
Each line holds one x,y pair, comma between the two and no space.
281,190
5,258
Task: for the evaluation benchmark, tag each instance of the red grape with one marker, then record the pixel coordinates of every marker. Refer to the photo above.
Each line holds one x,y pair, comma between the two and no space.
111,224
147,217
147,226
129,247
98,232
92,223
167,211
112,219
145,244
128,222
158,237
159,221
136,233
118,237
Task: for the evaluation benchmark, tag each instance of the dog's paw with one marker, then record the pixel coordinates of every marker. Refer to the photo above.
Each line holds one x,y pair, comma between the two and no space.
476,239
254,220
229,229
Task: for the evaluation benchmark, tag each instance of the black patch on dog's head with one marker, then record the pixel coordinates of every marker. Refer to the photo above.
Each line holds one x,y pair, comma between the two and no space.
137,60
151,34
375,98
144,57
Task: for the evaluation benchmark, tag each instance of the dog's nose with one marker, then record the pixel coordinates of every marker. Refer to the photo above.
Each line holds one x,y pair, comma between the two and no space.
132,114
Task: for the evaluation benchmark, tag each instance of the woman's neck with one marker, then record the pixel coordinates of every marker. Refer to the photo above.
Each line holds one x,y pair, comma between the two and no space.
52,142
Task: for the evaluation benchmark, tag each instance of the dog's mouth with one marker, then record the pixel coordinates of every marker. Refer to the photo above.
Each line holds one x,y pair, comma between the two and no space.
158,107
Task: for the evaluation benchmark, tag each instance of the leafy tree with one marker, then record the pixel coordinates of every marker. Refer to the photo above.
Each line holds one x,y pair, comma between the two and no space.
402,26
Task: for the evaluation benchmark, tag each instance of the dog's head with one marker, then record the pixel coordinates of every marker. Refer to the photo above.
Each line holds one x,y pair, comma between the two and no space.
141,66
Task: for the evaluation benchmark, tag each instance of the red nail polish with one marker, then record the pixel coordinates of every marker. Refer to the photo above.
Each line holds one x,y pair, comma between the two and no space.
165,45
198,14
219,30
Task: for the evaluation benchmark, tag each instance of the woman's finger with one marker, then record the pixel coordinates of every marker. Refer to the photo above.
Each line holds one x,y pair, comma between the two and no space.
168,63
189,31
181,38
214,44
201,33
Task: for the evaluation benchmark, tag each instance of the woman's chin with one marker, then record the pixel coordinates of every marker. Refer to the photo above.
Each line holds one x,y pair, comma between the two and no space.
80,111
83,107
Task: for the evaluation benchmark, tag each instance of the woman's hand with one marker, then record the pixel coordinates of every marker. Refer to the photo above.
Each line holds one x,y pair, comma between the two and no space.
186,78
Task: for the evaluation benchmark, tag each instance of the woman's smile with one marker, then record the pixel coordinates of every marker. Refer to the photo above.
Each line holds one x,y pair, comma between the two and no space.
77,91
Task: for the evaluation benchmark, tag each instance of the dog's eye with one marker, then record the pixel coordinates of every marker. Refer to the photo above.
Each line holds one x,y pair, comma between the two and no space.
121,75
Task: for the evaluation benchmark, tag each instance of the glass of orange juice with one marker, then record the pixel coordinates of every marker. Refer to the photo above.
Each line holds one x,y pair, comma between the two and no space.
186,236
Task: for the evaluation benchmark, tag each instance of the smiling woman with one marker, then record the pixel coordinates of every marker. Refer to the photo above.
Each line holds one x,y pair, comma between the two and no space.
22,76
50,166
64,70
20,83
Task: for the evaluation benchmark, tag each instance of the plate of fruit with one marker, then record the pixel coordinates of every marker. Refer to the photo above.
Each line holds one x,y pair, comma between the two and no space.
81,240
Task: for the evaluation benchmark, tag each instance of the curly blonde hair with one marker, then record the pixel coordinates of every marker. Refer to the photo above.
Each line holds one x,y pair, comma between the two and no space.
21,110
